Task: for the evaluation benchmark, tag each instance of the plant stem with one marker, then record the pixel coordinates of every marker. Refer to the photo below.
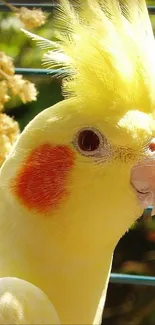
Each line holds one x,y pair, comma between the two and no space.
9,5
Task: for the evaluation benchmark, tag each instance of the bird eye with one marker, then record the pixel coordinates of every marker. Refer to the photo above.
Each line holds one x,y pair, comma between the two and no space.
88,141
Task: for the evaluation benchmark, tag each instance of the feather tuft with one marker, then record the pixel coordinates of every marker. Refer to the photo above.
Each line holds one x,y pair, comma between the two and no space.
109,47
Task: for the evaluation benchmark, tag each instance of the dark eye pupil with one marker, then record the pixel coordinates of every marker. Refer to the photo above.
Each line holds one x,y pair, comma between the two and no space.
88,140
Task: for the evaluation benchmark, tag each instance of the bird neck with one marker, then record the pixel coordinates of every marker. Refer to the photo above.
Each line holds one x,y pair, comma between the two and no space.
70,263
76,286
74,280
87,287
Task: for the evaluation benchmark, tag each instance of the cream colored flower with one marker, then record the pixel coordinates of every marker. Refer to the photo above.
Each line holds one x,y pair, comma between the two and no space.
28,92
31,18
6,64
16,83
3,94
25,89
9,132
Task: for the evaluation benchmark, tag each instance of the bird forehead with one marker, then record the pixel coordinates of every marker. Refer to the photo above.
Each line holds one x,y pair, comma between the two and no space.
136,120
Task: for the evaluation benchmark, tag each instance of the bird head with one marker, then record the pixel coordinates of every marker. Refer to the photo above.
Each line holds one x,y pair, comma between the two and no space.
87,163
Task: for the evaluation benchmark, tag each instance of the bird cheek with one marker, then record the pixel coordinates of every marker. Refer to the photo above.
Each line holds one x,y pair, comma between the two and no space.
41,184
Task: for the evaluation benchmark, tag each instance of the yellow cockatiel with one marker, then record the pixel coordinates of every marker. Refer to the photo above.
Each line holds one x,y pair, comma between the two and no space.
83,170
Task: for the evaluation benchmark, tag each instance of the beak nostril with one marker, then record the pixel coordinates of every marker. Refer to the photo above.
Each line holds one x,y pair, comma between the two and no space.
152,146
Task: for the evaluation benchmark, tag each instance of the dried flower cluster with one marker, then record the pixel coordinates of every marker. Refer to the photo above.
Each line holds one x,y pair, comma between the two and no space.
6,64
31,18
11,85
14,85
9,81
3,94
25,89
9,132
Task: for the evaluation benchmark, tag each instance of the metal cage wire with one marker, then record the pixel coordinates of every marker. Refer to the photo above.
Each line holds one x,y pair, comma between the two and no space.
114,277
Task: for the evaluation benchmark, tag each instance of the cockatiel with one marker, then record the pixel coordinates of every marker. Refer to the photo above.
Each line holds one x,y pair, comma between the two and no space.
83,170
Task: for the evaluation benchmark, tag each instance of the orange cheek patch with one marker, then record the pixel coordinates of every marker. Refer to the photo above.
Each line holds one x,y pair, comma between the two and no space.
41,183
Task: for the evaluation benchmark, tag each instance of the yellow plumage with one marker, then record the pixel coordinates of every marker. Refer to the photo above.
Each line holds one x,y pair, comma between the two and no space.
100,133
18,301
109,48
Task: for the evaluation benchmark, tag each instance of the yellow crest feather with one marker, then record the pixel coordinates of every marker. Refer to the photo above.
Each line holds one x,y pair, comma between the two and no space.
109,47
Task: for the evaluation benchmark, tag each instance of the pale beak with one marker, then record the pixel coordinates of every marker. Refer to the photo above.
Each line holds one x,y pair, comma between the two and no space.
143,181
